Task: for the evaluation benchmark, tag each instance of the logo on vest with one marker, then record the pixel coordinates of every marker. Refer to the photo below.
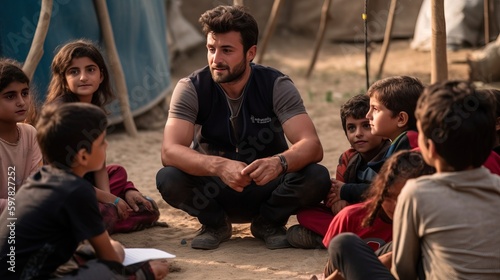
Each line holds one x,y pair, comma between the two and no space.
260,120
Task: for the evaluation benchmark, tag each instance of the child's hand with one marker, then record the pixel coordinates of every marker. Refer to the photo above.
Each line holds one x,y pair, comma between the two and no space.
334,194
337,206
123,209
135,198
159,268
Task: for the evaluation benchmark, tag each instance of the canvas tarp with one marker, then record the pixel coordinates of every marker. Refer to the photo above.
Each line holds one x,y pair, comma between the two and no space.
303,17
345,22
140,35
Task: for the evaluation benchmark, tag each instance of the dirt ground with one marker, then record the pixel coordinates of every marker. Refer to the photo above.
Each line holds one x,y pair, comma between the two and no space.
339,74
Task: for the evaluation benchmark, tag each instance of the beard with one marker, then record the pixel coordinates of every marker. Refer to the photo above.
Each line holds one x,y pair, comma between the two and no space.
232,75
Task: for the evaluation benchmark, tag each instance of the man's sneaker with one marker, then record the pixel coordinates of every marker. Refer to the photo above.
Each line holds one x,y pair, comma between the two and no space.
210,237
301,237
274,236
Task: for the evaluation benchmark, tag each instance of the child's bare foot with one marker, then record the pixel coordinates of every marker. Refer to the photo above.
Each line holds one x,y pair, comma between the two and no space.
159,268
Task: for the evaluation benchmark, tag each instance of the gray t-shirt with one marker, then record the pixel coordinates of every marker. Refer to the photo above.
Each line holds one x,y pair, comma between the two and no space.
451,221
287,101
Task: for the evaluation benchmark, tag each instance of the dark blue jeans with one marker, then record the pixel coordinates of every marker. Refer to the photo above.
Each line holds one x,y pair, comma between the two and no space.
211,201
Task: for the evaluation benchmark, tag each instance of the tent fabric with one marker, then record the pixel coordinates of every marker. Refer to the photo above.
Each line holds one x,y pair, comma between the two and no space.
303,17
345,23
140,36
464,24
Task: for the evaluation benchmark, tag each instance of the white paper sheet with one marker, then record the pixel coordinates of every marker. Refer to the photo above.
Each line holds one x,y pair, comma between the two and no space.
135,255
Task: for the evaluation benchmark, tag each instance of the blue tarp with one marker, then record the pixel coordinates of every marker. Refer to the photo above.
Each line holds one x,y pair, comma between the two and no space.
140,35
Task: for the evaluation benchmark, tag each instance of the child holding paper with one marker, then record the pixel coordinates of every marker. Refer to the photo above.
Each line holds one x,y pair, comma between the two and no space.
57,209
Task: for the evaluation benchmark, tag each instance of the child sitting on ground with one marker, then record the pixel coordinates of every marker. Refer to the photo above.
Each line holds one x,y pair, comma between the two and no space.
20,155
79,74
57,209
391,116
445,224
352,168
371,220
392,108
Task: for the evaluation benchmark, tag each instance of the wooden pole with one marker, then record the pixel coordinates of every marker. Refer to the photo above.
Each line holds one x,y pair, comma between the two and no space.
486,10
387,38
36,50
439,62
320,35
271,25
115,65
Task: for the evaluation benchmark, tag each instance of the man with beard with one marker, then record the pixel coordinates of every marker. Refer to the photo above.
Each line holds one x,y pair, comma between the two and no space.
224,149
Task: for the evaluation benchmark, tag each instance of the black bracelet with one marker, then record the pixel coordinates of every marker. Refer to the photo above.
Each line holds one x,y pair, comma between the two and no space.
284,164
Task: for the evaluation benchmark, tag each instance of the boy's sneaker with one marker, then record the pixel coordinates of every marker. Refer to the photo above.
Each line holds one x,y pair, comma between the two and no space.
210,237
301,237
274,236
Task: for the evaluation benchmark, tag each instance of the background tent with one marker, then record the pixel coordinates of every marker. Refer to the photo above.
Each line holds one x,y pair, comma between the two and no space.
303,17
345,23
140,34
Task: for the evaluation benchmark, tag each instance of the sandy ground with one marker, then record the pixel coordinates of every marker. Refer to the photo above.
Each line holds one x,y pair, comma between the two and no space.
339,74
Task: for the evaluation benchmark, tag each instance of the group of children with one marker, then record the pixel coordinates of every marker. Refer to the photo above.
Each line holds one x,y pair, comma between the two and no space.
75,197
409,143
429,129
376,126
444,223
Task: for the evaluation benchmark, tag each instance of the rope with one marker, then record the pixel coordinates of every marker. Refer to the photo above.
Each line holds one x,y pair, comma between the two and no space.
367,72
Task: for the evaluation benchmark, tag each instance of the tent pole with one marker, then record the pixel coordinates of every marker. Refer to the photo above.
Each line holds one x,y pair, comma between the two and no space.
486,10
439,62
387,37
116,66
36,50
271,24
320,35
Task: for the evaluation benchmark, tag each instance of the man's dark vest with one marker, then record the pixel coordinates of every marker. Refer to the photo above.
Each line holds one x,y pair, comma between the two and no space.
261,134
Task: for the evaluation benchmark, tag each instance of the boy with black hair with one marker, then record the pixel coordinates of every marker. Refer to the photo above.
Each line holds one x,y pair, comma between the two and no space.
432,234
351,170
452,118
392,107
57,209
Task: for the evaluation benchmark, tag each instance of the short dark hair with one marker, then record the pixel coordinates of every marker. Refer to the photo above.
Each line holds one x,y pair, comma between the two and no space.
64,129
11,71
398,94
456,117
223,19
356,107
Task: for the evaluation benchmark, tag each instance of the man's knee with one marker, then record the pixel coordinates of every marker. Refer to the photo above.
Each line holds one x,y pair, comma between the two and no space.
166,175
316,184
170,181
322,177
317,175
